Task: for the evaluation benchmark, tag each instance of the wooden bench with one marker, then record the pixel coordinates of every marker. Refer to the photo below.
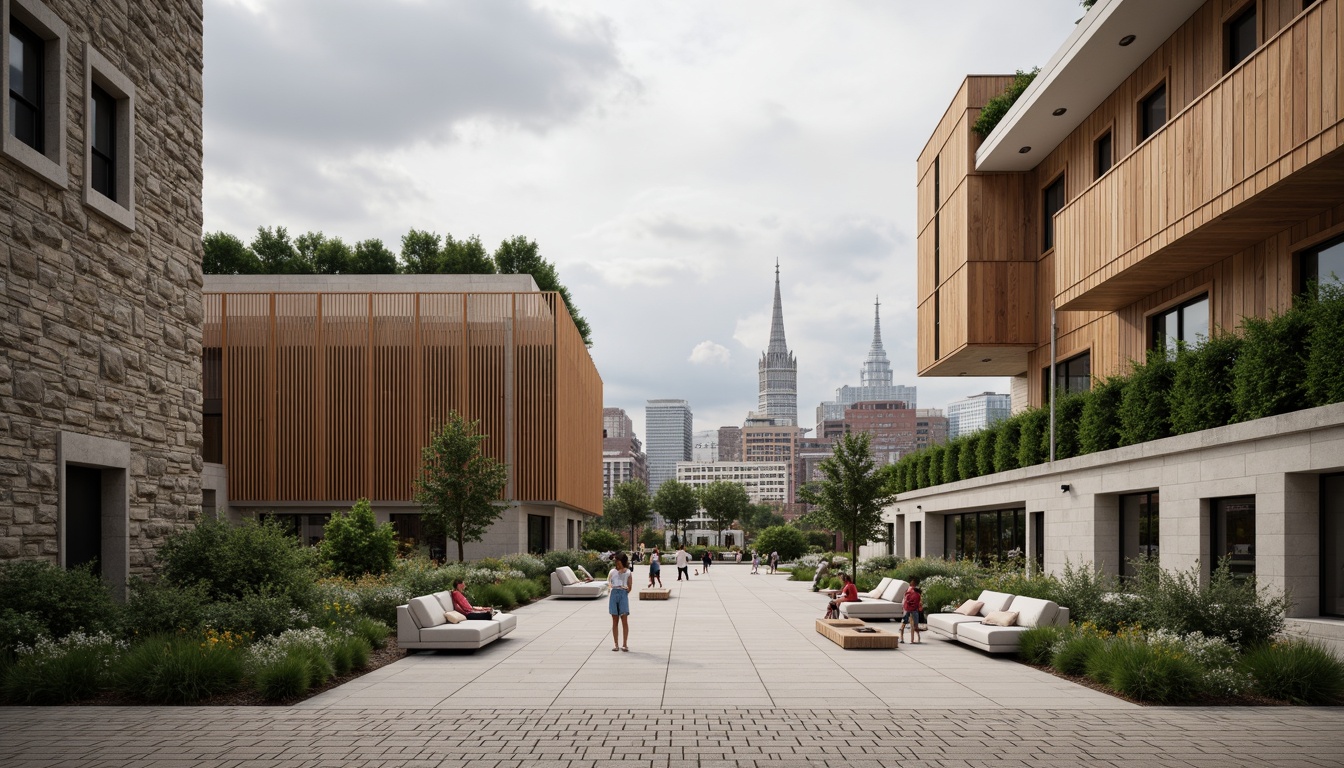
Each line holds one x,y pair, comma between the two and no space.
844,633
655,594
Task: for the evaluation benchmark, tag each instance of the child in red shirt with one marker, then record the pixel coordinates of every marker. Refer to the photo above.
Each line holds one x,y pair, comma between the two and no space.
913,605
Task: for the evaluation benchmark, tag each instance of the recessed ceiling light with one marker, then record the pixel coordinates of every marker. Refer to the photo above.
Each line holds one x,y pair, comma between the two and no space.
963,373
1024,150
985,359
1126,40
1059,111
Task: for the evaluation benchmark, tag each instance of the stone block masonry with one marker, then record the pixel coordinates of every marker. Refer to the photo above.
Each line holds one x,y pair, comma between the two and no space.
100,326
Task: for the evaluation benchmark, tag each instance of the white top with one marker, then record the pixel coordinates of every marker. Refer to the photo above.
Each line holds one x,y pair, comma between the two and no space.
619,580
682,558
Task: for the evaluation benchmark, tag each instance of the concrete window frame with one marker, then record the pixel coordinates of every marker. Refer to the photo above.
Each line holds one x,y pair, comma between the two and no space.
37,17
99,71
113,458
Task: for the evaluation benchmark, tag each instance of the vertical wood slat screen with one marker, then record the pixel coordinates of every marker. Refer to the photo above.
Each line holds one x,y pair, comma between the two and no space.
331,397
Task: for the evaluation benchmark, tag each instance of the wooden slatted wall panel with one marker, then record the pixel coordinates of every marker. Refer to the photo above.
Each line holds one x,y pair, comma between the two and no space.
443,359
396,454
578,458
1269,118
345,338
298,406
534,375
489,388
247,424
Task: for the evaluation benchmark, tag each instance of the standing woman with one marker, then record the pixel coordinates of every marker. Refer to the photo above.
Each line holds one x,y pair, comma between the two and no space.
656,568
618,603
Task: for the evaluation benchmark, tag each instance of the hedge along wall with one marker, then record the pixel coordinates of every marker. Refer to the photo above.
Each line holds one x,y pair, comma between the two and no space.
1284,363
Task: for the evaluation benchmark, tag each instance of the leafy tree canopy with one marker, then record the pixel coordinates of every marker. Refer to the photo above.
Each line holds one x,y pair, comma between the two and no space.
518,256
354,543
460,488
629,506
725,502
852,494
675,502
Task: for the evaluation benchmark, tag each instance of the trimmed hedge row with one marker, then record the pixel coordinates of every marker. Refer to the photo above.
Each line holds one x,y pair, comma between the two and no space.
1274,366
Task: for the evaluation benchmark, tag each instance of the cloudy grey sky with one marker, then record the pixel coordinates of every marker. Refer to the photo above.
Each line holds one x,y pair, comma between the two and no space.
663,153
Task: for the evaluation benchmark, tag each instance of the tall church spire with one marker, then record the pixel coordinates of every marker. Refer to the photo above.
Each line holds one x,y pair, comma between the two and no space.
778,370
876,371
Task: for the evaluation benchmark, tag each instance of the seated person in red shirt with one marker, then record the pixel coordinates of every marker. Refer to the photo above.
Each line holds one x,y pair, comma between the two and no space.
463,606
848,594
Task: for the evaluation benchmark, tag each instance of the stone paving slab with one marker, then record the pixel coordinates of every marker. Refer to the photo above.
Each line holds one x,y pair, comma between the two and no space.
729,674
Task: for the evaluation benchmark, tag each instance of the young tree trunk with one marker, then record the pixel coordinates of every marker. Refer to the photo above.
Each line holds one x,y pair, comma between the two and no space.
461,558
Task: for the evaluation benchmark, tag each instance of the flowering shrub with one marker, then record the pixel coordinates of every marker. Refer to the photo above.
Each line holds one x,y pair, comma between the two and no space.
531,566
57,671
180,669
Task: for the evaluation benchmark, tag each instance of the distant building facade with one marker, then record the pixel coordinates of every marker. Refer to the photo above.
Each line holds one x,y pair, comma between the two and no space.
778,371
764,482
894,429
730,443
974,413
875,381
623,456
705,445
668,427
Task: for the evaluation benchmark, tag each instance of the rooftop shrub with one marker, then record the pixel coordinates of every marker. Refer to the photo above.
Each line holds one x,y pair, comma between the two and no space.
1005,444
1269,376
998,106
1143,409
967,465
1201,387
1325,342
1033,445
1099,417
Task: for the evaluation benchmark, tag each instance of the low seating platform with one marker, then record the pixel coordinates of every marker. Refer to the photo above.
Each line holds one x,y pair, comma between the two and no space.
661,593
845,633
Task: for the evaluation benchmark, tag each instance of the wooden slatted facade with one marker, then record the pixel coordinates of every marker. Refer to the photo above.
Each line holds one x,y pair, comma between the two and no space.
1247,171
330,397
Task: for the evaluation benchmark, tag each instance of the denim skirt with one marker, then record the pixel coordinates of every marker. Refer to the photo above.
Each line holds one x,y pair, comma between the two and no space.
619,602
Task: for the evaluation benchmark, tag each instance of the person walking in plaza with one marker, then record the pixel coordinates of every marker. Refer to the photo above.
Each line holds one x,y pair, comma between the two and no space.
618,603
683,563
656,568
755,561
913,605
823,568
706,559
774,562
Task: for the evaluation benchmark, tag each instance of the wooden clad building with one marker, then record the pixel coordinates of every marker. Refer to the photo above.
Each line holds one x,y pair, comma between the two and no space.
1175,167
1190,166
323,390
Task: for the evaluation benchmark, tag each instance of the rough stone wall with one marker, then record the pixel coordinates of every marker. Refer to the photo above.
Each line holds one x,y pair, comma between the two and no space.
100,329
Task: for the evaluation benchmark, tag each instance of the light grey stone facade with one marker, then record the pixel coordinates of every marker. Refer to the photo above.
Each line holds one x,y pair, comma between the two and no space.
100,342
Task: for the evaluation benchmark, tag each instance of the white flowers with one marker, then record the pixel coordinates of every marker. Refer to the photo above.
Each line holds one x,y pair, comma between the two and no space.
45,646
270,650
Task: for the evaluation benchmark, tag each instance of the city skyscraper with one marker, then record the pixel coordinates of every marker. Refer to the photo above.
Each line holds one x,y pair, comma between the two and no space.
875,380
974,413
623,457
778,371
668,428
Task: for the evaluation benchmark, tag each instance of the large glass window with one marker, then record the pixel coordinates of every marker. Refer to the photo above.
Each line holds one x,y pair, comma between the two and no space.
212,407
1103,152
1139,528
1051,203
999,534
1232,534
1332,545
1186,324
26,93
1153,112
1241,36
538,534
1072,375
1322,263
104,144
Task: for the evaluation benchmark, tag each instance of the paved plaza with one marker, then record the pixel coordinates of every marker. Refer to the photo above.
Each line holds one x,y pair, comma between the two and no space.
729,672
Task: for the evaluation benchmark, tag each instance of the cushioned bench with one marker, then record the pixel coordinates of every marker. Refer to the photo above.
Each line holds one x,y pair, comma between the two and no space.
973,631
884,602
422,623
566,585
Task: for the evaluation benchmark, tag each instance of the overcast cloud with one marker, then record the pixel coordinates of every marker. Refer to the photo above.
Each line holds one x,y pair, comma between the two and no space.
663,154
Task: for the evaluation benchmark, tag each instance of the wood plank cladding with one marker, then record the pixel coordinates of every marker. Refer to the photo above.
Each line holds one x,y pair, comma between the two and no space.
1260,149
332,396
970,233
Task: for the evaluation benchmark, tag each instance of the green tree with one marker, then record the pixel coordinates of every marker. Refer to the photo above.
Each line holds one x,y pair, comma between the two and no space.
761,516
725,502
784,539
328,256
371,257
420,254
353,542
675,502
277,253
227,255
233,561
601,540
459,489
629,506
851,497
465,257
519,256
